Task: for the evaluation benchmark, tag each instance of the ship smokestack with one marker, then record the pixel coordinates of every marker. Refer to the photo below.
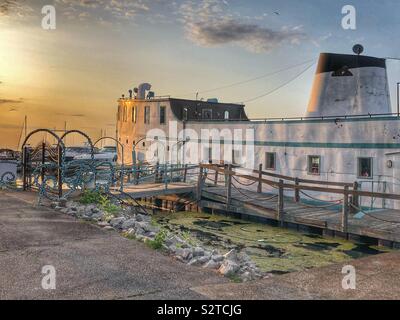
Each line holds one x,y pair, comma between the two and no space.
349,85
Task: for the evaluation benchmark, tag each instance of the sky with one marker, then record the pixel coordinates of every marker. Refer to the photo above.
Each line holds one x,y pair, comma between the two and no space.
100,49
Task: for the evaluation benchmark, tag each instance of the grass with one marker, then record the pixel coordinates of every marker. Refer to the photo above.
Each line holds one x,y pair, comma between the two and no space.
95,197
158,241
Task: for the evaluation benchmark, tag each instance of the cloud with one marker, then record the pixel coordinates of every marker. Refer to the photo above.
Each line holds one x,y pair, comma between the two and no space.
103,11
210,23
7,101
250,36
77,115
15,7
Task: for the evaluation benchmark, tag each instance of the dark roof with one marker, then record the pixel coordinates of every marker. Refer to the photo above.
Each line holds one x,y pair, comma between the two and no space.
330,62
195,110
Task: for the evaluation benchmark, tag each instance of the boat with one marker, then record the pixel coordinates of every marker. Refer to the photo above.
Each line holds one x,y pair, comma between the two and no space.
347,134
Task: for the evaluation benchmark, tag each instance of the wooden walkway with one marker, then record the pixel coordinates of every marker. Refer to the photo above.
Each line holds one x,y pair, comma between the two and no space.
262,205
149,190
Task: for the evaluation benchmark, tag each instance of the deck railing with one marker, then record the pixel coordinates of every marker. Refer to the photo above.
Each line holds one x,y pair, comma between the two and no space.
349,192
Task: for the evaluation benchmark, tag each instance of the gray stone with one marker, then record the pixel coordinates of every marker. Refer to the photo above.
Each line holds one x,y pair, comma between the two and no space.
139,232
218,258
228,268
108,228
151,235
102,224
128,224
117,222
98,216
174,240
65,211
185,254
71,212
231,255
246,276
212,265
198,252
142,217
147,227
199,261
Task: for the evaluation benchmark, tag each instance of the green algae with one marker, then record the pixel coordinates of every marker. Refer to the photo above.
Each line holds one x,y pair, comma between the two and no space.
273,249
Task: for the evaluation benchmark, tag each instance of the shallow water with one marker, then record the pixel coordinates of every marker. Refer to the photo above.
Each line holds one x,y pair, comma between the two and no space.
273,249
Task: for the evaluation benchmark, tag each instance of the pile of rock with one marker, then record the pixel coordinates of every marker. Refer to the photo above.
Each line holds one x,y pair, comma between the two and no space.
88,212
233,264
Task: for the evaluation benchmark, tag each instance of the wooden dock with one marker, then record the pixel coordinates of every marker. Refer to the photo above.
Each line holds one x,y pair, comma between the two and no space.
149,190
380,226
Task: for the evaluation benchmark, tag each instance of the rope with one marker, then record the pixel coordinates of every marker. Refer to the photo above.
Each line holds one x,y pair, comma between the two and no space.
313,198
256,199
244,184
320,207
279,87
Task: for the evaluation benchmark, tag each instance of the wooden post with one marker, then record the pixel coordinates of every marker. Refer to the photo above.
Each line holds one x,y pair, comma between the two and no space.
185,173
297,190
259,189
345,209
60,172
228,180
280,203
355,200
200,183
216,176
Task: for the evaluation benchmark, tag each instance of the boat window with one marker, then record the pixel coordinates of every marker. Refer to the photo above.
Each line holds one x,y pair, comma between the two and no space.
365,168
226,115
314,165
270,160
185,114
134,114
162,115
342,72
147,115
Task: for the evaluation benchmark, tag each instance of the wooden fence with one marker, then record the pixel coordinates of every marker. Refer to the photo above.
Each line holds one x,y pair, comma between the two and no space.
349,191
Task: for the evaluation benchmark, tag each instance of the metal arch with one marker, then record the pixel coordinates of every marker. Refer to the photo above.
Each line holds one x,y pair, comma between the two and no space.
82,134
118,142
60,142
147,139
123,156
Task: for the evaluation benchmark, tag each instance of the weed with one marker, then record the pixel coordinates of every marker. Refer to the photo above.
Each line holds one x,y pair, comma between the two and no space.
90,197
159,240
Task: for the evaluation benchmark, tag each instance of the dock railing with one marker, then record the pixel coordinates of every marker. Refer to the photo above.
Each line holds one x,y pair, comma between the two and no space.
349,192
